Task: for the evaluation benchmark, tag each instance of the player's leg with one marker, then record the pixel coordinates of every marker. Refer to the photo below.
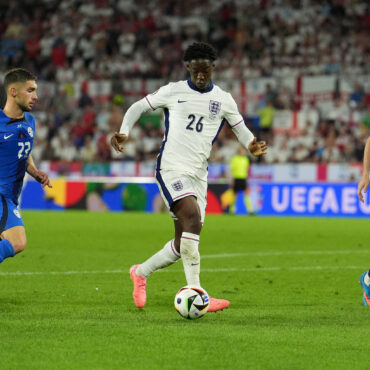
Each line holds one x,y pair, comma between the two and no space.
17,237
139,273
12,232
178,233
365,284
163,258
6,249
188,213
13,242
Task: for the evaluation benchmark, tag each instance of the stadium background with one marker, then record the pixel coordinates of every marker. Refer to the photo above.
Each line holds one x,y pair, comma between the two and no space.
299,71
66,301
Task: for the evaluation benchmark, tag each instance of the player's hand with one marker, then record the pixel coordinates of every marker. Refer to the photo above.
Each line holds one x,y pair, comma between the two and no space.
257,147
117,140
363,184
43,179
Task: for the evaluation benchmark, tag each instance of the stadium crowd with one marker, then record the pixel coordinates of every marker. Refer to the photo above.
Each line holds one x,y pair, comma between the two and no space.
69,40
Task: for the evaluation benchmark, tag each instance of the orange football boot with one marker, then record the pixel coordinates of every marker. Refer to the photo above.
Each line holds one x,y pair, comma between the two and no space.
217,304
139,292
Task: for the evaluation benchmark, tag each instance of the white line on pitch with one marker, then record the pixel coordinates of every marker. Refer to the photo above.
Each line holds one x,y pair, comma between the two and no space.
231,269
285,253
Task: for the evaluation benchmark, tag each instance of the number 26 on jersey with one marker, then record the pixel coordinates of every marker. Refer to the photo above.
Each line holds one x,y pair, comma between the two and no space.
197,126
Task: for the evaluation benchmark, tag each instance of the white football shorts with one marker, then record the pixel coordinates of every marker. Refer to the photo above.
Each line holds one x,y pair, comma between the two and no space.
174,185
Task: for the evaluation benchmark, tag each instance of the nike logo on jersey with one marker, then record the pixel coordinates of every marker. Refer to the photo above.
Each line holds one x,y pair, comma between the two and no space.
181,101
8,136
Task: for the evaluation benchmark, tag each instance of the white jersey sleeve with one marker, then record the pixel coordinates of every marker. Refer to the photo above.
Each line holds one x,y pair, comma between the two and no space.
132,115
236,122
160,98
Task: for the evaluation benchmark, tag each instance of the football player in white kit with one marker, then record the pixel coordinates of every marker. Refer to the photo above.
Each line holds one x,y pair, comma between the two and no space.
363,186
195,111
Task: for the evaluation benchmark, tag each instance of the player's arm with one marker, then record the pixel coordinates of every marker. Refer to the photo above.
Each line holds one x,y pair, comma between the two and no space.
158,99
241,131
364,183
40,176
129,119
248,140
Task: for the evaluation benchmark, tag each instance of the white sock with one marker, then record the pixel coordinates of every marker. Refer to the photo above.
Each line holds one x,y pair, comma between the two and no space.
165,257
190,258
367,278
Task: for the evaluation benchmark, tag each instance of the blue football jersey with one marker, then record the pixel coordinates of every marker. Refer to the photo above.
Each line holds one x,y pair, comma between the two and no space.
16,142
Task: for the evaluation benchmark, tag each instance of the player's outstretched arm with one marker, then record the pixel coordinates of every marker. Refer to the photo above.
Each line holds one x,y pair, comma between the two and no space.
117,142
40,176
257,148
245,136
364,183
129,119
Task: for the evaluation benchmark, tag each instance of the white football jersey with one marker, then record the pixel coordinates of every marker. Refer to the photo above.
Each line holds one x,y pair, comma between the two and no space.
192,121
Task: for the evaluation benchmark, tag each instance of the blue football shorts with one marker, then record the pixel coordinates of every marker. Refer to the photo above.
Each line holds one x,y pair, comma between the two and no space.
9,214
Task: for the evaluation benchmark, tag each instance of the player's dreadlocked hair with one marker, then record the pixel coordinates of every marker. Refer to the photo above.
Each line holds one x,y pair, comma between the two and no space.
200,50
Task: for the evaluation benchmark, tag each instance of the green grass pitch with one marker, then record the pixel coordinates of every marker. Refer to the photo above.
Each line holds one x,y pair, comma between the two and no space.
65,303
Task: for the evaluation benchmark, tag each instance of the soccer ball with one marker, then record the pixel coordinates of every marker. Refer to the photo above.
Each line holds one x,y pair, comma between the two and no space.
191,303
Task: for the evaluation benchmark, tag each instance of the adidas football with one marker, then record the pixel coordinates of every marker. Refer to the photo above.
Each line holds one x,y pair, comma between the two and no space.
191,303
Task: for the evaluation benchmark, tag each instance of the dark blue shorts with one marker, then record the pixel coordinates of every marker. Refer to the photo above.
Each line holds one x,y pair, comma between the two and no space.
9,214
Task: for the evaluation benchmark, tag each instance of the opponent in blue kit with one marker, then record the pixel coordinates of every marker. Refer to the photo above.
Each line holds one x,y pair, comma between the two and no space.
17,133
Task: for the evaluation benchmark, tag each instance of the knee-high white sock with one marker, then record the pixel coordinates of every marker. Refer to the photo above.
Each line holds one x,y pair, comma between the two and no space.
190,258
165,257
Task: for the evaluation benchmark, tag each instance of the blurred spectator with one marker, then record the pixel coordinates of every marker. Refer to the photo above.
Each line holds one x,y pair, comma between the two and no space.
59,53
357,96
15,29
266,116
331,153
312,113
88,151
104,148
365,123
149,143
38,150
33,46
299,154
284,99
102,119
270,95
11,49
282,151
88,120
339,113
84,99
67,151
130,149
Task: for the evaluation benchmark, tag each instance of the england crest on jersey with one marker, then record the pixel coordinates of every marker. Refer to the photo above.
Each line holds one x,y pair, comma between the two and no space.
214,107
177,186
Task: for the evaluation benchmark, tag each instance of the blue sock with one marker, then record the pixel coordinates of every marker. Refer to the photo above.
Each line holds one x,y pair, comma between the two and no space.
6,250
